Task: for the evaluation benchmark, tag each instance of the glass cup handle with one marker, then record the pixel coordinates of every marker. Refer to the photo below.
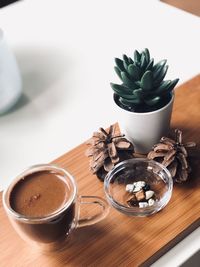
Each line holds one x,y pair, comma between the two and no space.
92,200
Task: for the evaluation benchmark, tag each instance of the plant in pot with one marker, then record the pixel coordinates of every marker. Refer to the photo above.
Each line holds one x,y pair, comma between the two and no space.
144,99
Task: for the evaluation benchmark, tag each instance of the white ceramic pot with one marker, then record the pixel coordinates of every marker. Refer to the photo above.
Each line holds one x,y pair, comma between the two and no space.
145,129
10,80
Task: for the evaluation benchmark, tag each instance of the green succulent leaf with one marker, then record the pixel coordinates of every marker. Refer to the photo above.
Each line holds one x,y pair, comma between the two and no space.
137,56
171,86
120,89
158,72
152,101
129,97
138,93
174,83
130,60
125,66
161,75
147,55
119,64
158,66
147,80
127,81
118,71
150,65
138,84
125,58
143,62
134,71
128,102
165,85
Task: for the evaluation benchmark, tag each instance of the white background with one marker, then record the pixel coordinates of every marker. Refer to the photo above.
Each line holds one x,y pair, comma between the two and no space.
65,51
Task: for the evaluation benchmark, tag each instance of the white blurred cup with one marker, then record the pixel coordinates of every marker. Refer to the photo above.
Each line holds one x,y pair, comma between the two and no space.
10,79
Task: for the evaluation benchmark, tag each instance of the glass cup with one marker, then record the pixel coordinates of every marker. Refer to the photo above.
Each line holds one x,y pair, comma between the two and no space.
49,232
131,171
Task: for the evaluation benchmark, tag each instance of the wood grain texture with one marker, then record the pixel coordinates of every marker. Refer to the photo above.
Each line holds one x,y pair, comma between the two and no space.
191,6
120,240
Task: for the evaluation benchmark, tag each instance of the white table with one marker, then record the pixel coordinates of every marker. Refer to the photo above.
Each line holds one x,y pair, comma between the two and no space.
65,51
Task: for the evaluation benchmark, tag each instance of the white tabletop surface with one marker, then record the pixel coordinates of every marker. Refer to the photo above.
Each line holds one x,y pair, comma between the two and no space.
65,51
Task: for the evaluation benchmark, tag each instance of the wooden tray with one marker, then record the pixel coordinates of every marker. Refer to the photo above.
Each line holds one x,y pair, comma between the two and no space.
120,240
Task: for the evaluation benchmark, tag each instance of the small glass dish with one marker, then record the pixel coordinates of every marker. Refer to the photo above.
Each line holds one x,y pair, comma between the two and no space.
156,177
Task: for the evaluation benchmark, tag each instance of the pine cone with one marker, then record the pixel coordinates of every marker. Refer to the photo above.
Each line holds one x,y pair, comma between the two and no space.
173,155
107,149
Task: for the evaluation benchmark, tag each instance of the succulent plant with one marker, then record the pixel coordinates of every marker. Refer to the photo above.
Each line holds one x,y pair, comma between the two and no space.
143,82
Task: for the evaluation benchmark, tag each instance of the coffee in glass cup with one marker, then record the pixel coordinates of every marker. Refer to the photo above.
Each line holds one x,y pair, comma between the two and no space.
43,206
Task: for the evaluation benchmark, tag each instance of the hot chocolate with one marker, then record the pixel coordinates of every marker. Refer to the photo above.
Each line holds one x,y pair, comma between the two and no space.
43,206
39,194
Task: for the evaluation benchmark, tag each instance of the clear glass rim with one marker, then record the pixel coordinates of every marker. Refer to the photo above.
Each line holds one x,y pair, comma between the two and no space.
135,210
35,169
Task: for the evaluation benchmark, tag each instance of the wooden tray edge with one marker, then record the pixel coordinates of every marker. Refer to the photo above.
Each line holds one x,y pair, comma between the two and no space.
172,243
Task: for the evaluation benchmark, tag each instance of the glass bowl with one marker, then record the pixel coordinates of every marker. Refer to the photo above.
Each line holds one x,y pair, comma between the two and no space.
126,187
